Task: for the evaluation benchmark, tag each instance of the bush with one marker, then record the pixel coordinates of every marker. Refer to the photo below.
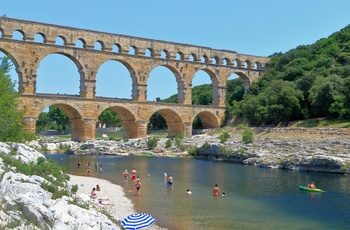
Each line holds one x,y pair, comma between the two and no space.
152,142
248,136
168,143
205,146
224,136
193,151
56,179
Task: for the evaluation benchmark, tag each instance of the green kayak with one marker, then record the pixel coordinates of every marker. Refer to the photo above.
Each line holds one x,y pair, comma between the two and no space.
310,189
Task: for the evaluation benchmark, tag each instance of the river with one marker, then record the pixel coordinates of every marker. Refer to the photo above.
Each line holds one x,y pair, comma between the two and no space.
256,198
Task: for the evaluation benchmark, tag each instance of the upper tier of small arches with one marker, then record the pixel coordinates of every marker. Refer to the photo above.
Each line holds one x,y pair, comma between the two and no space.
88,39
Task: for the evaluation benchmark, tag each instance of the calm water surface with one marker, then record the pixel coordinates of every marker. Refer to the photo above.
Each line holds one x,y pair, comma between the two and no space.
256,198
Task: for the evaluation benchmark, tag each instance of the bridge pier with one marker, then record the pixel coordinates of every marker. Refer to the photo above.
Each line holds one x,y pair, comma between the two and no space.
187,129
83,129
134,129
29,123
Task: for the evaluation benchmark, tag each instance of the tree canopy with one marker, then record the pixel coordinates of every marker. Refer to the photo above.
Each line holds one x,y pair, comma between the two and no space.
11,117
306,82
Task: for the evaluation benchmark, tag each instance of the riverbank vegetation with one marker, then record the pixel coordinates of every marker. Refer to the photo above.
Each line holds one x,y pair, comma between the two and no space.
11,117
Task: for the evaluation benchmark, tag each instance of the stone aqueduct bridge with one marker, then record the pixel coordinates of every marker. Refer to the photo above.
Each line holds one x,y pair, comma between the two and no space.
83,110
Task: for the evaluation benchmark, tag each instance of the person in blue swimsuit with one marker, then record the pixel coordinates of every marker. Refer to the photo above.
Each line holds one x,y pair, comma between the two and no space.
138,187
170,181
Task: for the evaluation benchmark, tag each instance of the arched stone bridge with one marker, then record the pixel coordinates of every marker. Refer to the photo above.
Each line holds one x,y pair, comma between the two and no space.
140,56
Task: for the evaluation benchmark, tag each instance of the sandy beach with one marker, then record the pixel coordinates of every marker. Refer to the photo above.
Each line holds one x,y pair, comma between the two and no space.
120,205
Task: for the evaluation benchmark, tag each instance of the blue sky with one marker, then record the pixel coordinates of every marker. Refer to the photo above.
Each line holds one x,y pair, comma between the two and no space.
251,27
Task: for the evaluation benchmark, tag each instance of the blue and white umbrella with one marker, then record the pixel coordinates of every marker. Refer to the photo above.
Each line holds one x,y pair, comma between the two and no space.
138,221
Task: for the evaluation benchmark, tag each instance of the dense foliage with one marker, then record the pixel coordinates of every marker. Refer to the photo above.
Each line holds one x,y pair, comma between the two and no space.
11,117
306,82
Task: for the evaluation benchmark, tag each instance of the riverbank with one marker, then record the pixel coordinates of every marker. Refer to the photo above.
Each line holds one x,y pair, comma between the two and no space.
307,149
118,205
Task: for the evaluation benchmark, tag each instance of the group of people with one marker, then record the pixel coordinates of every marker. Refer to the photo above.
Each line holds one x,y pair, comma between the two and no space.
88,169
134,179
99,200
216,191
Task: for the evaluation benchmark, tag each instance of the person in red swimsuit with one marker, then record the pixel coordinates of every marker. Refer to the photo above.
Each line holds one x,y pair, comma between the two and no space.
216,190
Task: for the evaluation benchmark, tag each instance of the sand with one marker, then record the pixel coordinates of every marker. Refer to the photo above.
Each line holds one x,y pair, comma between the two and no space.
120,205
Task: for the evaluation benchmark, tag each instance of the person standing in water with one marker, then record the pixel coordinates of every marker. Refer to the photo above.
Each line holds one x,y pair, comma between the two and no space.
216,190
133,175
126,175
170,181
138,187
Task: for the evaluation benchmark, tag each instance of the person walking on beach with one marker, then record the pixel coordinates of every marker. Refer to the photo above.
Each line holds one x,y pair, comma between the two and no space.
216,190
170,181
126,175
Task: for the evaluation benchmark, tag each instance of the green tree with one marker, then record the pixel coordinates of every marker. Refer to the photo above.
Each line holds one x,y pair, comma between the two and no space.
11,117
157,121
59,117
323,93
109,118
248,136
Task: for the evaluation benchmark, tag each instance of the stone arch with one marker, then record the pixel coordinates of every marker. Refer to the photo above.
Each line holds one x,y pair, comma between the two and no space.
205,59
173,121
129,68
100,44
209,120
245,79
80,43
193,57
165,54
248,64
178,79
116,48
258,65
40,36
76,63
128,121
133,50
149,52
227,62
75,118
239,63
180,56
16,33
16,65
215,84
63,39
216,60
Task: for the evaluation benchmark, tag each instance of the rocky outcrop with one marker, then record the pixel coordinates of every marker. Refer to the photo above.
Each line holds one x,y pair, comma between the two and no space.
25,204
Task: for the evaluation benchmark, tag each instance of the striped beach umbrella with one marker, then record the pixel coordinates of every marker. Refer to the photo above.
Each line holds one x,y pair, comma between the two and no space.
138,221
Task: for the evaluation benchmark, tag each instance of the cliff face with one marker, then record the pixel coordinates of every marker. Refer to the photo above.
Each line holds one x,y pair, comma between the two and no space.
25,204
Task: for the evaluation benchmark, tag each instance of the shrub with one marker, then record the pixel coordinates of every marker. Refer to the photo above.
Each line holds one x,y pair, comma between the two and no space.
180,135
193,151
168,143
152,142
49,170
248,136
224,136
206,145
